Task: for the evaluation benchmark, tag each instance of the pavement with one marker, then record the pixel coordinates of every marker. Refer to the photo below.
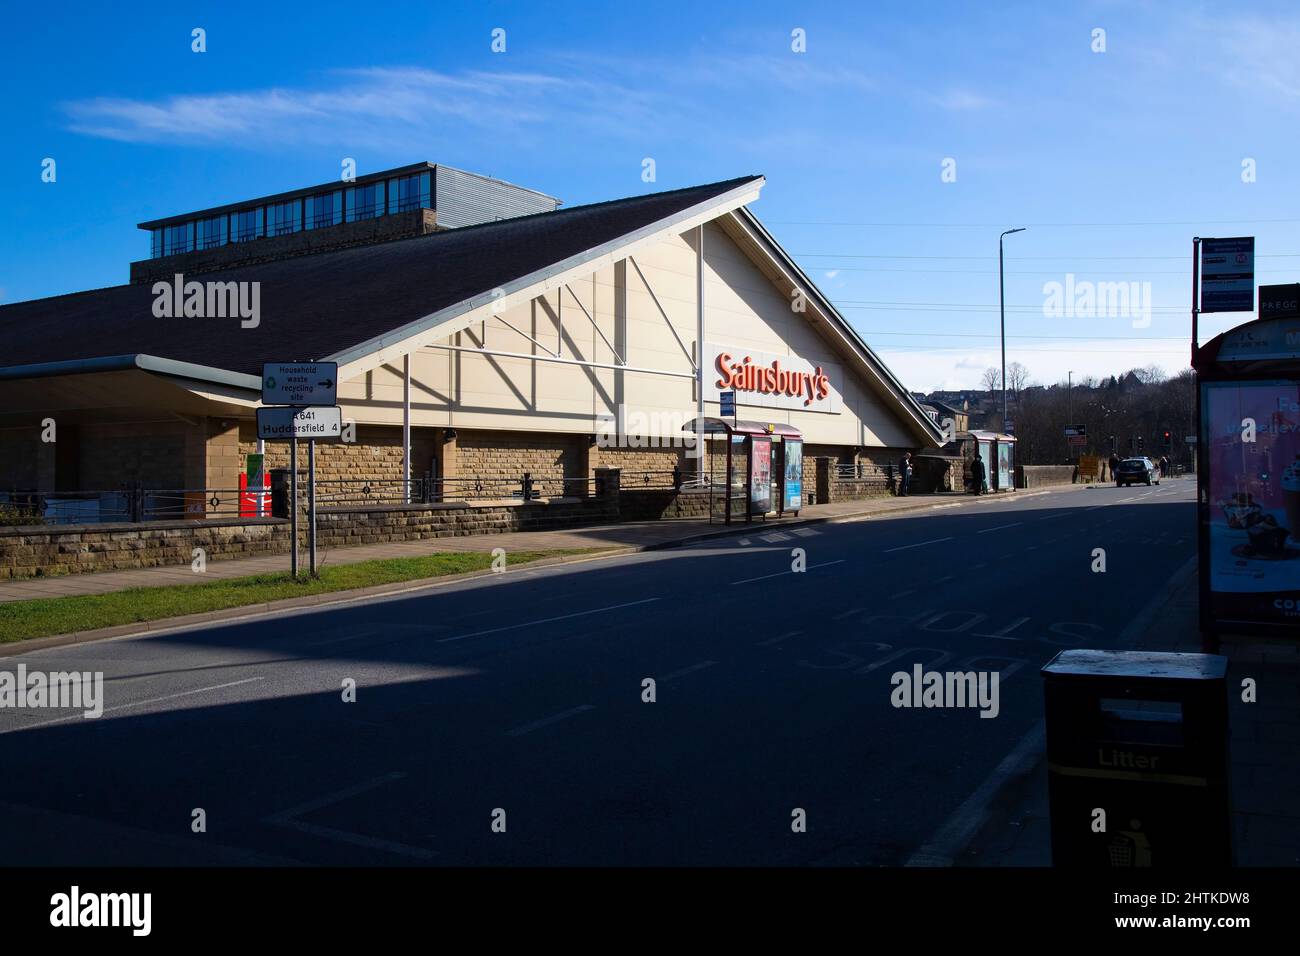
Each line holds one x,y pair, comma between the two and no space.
633,535
1263,750
730,701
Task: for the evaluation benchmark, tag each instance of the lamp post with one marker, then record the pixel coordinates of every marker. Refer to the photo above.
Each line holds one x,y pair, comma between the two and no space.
1002,310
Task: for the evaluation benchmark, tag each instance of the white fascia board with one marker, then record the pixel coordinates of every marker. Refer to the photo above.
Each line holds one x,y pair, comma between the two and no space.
782,261
391,346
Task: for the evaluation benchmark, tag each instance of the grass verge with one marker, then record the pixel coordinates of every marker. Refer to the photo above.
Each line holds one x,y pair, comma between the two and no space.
41,617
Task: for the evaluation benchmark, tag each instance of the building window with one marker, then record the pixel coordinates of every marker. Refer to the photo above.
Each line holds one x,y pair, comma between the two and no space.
178,239
246,225
365,202
155,243
408,192
324,210
284,217
211,232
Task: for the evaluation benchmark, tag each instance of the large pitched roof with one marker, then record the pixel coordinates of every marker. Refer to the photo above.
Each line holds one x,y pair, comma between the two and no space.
319,305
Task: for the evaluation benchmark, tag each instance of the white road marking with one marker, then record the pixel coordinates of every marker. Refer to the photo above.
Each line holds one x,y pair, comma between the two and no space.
547,620
811,567
547,721
688,670
919,544
1063,514
774,537
806,532
134,703
1000,527
287,818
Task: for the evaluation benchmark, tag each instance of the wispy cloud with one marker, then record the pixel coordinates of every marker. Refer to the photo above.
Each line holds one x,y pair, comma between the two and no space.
371,105
620,98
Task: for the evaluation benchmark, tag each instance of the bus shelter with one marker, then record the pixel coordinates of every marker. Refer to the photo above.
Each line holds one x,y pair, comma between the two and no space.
1248,480
757,465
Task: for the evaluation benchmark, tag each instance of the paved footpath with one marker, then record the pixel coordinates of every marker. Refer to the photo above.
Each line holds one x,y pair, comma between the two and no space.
1264,750
633,536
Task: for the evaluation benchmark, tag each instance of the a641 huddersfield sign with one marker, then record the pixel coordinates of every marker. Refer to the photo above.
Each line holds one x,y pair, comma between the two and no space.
281,423
300,383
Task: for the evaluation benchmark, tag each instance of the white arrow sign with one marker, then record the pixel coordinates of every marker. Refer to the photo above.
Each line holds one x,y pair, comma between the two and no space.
300,383
286,423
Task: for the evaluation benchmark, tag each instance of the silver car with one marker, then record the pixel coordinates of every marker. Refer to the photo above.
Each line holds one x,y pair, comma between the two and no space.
1133,471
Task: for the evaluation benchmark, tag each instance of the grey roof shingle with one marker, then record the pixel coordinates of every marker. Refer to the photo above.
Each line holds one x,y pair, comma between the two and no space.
317,305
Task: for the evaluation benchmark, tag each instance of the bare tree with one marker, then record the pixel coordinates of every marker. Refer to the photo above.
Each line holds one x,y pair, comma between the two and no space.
1017,378
1151,375
991,379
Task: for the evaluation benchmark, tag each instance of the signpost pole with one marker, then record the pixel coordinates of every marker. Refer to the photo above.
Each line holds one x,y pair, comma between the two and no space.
1196,291
293,506
311,503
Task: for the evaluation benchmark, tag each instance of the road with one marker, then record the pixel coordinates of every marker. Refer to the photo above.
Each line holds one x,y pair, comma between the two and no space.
518,700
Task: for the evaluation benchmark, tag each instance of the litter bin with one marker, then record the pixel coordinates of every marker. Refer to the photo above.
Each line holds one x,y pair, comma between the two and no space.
1142,736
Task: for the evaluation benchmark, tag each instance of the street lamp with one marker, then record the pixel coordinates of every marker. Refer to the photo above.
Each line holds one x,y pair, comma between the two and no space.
1002,309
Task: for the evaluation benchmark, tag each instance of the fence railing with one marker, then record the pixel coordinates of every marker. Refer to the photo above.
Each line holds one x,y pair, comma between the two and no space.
136,504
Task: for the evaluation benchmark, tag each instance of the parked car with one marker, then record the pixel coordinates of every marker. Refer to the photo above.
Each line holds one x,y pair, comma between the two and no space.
1134,470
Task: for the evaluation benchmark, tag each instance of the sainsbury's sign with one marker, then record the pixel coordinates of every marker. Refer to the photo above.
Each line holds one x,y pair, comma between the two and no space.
773,381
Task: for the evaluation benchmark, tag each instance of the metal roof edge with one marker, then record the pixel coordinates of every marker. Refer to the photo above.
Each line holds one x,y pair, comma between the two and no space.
122,363
902,394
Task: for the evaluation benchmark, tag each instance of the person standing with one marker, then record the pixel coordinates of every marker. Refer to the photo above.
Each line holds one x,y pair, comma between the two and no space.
905,473
1114,465
977,475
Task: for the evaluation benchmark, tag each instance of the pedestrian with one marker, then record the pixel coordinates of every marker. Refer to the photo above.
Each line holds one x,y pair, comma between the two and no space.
905,473
1164,466
1114,466
977,475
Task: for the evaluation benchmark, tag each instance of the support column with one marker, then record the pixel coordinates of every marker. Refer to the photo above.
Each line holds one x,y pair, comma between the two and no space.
699,353
406,428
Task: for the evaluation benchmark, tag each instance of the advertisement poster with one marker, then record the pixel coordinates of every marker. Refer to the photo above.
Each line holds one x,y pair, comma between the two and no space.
1004,466
793,475
760,476
1254,499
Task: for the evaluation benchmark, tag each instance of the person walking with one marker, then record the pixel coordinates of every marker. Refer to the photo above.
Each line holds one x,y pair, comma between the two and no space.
977,475
905,473
1114,466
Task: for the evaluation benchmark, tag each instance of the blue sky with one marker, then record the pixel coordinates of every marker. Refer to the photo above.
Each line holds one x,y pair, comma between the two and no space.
1114,160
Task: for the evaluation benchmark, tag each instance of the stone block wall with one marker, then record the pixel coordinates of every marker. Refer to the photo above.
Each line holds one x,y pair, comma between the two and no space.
71,549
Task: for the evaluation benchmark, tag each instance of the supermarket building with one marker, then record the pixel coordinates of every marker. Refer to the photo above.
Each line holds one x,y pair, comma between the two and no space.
482,330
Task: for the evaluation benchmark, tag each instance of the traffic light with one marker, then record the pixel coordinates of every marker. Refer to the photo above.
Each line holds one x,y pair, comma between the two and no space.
1169,440
1140,442
1132,443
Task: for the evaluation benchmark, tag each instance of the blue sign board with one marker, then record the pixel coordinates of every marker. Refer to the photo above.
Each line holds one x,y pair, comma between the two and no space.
1228,275
727,404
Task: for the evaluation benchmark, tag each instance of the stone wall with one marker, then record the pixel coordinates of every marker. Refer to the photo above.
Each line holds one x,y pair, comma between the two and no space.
1036,476
649,505
71,549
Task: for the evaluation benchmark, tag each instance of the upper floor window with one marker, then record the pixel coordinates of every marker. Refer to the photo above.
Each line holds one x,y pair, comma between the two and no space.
155,243
324,210
408,192
365,202
284,218
246,225
211,232
178,239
